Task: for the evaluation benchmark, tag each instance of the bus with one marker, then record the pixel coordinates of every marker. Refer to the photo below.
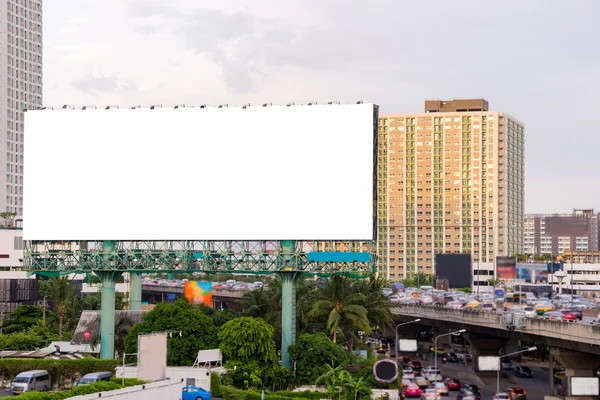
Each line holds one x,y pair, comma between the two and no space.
515,298
539,290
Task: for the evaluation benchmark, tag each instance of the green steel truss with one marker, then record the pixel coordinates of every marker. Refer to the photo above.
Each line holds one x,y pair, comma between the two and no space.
184,256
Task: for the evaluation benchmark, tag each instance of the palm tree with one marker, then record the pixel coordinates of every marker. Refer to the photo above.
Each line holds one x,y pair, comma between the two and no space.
342,307
256,304
60,290
376,303
333,379
357,388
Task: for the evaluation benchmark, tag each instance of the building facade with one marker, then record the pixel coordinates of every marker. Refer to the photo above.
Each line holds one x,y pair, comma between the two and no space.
450,180
20,89
555,234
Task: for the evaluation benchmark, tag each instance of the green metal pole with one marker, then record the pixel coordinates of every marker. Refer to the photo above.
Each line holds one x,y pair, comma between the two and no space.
107,312
288,276
135,291
170,276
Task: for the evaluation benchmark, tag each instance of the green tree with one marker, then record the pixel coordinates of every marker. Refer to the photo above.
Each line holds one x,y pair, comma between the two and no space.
198,331
23,318
376,303
465,290
312,353
341,307
7,217
356,389
247,345
246,339
418,279
60,291
333,379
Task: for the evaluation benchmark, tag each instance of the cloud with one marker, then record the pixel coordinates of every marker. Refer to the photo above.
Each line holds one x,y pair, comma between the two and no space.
94,85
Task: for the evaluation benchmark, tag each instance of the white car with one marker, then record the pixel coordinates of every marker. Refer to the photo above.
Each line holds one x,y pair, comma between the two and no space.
501,396
387,291
408,372
441,388
455,305
433,377
430,394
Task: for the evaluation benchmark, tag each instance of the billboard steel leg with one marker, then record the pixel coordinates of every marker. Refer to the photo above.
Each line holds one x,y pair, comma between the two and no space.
288,278
135,291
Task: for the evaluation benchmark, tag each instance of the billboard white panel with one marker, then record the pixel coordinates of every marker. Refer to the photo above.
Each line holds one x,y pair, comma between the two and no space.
300,172
585,386
407,345
152,357
488,363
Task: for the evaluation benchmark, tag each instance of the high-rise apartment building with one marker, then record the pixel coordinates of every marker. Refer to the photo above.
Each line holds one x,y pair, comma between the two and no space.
20,89
450,180
556,234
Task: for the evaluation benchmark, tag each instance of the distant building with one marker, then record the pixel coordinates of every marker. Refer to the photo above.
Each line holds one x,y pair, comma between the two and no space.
450,180
11,248
555,234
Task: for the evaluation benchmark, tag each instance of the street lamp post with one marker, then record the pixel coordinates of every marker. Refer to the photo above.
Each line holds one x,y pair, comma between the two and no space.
396,343
435,344
500,364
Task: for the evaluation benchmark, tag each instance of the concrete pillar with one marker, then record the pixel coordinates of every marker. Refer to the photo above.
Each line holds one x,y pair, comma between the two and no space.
135,291
576,364
483,345
107,313
288,280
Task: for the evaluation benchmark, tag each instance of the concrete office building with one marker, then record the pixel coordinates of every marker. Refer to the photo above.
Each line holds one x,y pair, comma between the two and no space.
450,180
556,234
20,89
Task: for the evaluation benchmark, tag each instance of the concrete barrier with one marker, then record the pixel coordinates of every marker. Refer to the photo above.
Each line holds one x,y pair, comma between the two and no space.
167,389
201,375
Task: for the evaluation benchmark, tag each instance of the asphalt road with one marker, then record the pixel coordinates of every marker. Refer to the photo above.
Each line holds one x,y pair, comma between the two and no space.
536,387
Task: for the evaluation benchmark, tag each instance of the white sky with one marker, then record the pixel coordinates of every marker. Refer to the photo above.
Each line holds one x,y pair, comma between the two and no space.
538,60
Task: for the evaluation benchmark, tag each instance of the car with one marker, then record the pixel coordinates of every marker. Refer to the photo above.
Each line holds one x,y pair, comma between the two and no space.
431,370
569,315
553,316
506,365
574,310
408,372
473,389
451,357
412,390
516,393
441,388
523,372
453,384
417,366
463,355
438,351
501,396
543,307
195,393
467,394
422,382
406,359
430,394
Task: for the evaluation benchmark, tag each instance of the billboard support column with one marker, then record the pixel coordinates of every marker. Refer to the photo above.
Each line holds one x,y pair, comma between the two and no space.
107,311
135,291
288,276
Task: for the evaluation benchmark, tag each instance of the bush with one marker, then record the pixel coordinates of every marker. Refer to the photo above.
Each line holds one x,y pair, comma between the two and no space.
231,393
127,382
312,353
215,384
59,370
82,390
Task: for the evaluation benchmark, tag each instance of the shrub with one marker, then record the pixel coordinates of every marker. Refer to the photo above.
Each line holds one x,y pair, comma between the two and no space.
59,370
231,393
302,395
82,390
215,384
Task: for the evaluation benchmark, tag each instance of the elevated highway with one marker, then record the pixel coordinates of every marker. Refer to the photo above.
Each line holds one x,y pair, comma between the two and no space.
566,335
156,293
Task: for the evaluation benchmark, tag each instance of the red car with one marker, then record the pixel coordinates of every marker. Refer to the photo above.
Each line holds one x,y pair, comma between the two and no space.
453,384
569,315
412,390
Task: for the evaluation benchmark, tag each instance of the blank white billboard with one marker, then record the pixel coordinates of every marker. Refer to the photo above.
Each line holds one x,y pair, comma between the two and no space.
152,357
488,363
262,173
407,345
585,386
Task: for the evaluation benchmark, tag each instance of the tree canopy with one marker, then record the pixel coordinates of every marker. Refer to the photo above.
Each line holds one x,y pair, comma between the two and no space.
312,353
198,331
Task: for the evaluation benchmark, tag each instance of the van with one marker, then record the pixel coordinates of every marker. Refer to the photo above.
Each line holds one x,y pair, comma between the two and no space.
95,377
28,381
